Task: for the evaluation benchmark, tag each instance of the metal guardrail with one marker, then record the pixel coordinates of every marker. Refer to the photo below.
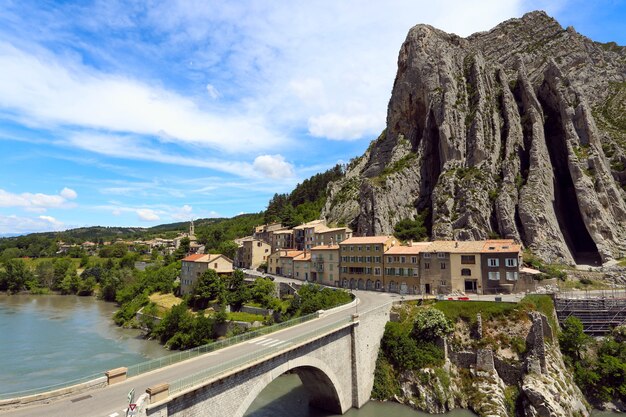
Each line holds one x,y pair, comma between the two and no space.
53,387
173,358
205,375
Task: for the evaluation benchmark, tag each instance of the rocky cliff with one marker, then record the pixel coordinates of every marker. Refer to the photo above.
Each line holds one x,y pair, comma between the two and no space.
519,132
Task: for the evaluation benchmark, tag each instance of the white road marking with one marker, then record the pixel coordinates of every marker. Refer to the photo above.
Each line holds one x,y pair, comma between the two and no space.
278,342
114,415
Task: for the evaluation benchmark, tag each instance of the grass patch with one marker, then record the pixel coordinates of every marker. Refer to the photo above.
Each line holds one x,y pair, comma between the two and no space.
247,317
467,310
165,301
542,304
584,284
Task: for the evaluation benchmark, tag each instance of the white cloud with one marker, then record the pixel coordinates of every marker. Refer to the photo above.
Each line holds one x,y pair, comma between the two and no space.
49,91
213,93
345,127
273,166
147,215
116,212
68,193
37,202
13,224
185,213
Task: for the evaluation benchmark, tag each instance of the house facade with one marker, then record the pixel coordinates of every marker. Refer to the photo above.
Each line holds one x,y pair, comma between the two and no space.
402,268
362,264
500,264
325,265
193,266
252,253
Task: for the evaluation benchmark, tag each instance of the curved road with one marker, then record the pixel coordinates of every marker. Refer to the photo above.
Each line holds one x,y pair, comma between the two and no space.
112,401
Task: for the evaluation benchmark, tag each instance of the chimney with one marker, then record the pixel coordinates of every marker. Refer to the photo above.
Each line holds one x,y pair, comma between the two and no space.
456,244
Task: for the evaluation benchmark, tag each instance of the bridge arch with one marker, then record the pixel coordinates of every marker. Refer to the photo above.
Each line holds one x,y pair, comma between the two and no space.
321,382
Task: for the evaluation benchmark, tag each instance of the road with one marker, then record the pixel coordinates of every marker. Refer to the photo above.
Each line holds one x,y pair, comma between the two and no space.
112,401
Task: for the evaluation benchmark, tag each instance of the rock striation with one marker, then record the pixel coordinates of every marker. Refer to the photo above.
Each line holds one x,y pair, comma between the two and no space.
519,132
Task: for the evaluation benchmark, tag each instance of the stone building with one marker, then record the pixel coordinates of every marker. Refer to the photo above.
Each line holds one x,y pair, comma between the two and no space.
195,265
362,264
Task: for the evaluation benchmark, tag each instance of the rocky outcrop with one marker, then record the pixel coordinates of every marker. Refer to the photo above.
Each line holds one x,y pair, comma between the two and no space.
518,132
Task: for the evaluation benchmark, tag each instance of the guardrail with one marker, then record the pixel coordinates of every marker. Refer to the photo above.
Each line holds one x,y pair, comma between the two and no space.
173,358
49,388
209,373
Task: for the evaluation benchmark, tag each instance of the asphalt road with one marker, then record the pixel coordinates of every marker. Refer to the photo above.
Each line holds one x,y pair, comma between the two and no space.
112,401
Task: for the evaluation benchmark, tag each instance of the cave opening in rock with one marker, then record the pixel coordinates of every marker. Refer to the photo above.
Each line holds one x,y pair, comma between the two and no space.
566,207
430,171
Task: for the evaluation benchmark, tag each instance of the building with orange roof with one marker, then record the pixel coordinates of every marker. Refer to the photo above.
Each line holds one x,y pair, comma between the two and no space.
331,236
304,234
325,264
302,266
402,263
252,253
281,262
193,266
362,264
501,260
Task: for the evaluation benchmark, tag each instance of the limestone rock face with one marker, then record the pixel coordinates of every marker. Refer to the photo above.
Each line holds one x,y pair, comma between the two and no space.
519,132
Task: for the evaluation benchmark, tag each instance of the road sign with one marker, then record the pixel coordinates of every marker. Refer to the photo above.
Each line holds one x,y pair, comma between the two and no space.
132,407
131,395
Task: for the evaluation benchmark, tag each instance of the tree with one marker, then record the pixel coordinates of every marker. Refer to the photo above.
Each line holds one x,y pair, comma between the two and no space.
263,291
431,324
15,275
209,286
238,292
572,339
408,229
228,249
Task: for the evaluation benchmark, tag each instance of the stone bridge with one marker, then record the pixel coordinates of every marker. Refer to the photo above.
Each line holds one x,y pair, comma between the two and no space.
336,365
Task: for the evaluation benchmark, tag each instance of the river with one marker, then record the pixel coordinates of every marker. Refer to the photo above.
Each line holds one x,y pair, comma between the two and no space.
51,339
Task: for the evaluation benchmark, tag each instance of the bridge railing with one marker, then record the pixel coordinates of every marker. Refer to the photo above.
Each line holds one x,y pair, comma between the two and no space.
52,387
209,373
173,358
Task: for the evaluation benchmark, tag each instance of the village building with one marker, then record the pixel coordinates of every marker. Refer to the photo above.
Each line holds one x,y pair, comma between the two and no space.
362,264
302,266
252,253
325,265
304,235
265,231
193,266
500,265
282,239
402,267
331,236
281,262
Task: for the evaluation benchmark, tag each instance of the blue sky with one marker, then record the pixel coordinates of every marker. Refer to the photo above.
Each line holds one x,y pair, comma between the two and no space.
141,113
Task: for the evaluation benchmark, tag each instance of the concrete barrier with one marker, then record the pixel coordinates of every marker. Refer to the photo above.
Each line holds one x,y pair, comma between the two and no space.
116,375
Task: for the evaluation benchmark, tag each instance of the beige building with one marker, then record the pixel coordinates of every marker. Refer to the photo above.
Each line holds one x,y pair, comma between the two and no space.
282,239
435,276
252,253
304,235
281,262
362,264
302,266
195,265
264,232
465,266
325,264
402,266
333,236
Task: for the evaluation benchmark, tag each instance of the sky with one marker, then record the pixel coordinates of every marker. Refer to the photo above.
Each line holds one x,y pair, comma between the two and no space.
138,113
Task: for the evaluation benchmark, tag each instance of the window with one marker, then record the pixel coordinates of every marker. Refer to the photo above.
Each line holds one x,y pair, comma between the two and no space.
511,262
215,265
368,271
413,259
493,262
351,248
378,284
494,276
331,267
376,248
443,283
378,259
441,255
376,271
367,248
388,271
344,269
511,276
369,259
442,265
389,259
415,272
468,259
330,256
427,255
361,259
402,259
427,265
360,248
466,272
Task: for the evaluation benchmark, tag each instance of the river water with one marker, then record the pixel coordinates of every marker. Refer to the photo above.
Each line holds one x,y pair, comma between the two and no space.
51,339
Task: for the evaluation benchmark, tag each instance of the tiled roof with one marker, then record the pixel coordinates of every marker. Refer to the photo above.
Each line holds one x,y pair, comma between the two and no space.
283,232
502,246
454,246
311,224
366,239
291,253
325,247
193,258
408,250
335,229
303,257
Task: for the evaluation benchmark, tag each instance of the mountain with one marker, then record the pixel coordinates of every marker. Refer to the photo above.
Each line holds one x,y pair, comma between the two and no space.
519,132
